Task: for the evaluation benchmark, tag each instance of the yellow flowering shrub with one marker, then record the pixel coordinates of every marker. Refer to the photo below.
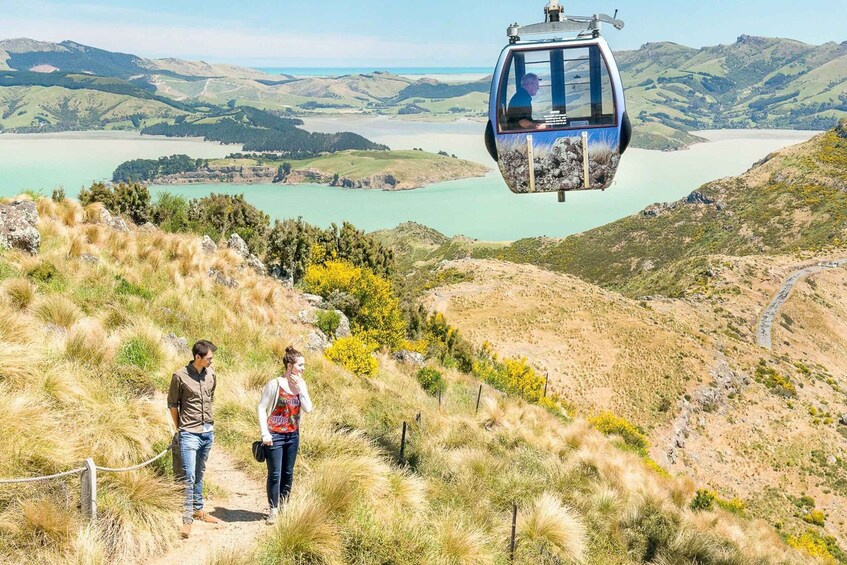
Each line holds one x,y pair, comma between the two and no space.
611,424
354,355
376,316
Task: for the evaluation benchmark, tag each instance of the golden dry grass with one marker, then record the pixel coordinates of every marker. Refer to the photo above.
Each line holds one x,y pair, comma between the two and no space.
57,310
20,292
550,525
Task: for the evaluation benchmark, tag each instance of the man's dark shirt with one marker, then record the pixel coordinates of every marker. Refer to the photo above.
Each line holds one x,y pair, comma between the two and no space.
520,108
193,393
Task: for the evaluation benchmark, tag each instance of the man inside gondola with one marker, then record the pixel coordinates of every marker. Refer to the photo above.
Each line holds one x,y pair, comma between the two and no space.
519,111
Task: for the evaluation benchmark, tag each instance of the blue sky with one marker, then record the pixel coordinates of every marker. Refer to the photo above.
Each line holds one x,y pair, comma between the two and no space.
380,33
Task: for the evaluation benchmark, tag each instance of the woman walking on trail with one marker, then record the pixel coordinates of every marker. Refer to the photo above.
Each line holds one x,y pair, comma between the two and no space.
279,410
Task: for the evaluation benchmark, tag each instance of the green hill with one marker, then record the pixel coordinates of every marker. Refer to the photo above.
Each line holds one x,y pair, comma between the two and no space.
754,82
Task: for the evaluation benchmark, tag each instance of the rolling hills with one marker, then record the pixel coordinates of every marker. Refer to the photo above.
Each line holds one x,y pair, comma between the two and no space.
671,90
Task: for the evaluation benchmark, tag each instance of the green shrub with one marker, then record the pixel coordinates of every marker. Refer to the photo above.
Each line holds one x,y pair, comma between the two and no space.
814,544
220,215
610,424
734,505
328,321
129,199
703,500
97,192
354,355
132,200
45,272
431,380
170,213
378,317
58,194
776,383
142,352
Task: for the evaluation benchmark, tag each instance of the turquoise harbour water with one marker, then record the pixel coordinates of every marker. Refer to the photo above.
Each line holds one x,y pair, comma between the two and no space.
482,208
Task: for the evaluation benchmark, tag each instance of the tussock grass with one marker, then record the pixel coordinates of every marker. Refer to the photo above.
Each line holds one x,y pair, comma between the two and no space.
142,348
459,543
135,514
341,481
25,419
87,343
48,523
549,526
15,327
304,533
57,310
20,292
70,212
19,364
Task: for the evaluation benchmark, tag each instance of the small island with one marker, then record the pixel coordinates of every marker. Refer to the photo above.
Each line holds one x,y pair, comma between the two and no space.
373,169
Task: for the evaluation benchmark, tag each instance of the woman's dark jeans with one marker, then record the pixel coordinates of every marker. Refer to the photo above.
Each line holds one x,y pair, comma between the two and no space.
280,459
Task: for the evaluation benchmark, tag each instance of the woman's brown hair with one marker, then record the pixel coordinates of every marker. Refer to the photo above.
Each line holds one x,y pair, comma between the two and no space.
291,356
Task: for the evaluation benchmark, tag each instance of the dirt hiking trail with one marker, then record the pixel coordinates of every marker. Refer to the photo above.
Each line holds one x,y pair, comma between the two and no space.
242,507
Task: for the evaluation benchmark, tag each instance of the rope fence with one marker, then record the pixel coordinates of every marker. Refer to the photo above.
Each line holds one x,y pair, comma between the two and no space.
44,478
88,479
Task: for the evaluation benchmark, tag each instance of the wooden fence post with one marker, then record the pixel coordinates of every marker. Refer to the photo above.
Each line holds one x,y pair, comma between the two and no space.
478,396
88,481
403,441
546,380
514,522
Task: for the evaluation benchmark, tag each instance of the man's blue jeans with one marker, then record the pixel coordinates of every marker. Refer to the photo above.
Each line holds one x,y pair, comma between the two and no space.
194,449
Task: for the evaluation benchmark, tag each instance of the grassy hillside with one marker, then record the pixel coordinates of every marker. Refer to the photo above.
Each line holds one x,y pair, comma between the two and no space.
56,108
753,425
794,200
754,82
87,320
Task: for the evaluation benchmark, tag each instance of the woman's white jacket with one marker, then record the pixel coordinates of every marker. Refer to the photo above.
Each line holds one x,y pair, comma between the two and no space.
268,401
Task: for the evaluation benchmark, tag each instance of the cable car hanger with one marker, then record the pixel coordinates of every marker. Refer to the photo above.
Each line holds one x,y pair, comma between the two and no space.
555,21
574,136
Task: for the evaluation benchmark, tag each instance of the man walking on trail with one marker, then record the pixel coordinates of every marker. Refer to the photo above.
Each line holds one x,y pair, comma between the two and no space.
190,399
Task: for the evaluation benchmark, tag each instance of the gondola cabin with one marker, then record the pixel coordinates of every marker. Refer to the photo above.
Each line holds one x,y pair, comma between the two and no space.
557,117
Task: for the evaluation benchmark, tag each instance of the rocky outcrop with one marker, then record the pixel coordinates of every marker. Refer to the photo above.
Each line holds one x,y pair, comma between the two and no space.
179,344
238,245
841,128
114,222
316,341
208,246
409,357
17,226
712,398
222,279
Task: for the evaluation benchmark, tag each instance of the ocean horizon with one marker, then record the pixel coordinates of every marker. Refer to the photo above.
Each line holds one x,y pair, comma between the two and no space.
340,71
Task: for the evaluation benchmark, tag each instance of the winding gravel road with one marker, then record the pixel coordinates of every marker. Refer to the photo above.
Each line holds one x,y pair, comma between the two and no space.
763,331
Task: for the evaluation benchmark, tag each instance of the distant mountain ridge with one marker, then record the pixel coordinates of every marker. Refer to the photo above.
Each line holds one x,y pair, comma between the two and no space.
754,82
671,90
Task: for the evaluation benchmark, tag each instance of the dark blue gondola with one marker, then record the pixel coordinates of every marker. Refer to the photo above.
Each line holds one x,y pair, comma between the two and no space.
557,118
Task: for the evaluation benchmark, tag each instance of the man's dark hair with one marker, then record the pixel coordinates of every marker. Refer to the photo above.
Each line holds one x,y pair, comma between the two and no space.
203,347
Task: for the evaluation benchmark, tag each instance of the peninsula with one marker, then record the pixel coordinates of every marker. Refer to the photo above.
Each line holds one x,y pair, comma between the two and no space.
381,169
